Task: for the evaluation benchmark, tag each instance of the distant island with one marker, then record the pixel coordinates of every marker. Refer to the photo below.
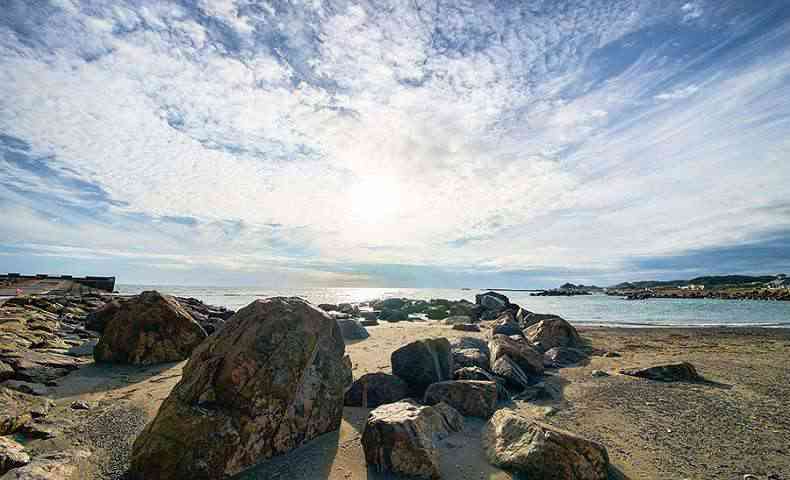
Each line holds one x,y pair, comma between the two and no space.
734,287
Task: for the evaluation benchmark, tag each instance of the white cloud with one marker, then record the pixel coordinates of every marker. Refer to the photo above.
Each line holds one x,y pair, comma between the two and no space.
488,128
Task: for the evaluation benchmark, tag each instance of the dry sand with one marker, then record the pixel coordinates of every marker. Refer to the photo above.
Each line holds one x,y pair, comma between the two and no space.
737,422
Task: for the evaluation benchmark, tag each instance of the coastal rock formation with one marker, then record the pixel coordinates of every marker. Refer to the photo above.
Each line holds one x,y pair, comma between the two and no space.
526,318
18,410
537,450
400,437
470,357
12,455
671,372
477,373
209,317
553,332
476,343
492,301
65,465
151,328
526,357
558,357
272,379
423,362
374,389
352,330
469,397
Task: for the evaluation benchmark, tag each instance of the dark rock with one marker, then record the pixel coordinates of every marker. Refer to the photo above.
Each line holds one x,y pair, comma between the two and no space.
393,315
422,363
466,327
492,301
558,357
368,323
370,315
520,351
470,357
538,450
97,319
477,373
401,437
6,371
672,372
553,332
152,328
469,397
374,389
328,307
352,330
599,373
515,378
271,380
505,324
476,343
526,318
80,405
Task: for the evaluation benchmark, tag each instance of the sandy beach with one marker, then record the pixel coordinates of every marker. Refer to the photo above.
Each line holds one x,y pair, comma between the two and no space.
736,422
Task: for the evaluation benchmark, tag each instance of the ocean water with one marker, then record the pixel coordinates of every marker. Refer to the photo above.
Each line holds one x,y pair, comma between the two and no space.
582,309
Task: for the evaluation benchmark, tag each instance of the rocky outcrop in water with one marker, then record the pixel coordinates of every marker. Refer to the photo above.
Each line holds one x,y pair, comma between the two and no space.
272,379
151,328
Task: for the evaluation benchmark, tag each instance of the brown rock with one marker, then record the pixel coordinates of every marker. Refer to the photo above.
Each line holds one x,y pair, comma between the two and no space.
520,351
470,357
400,437
97,320
152,328
553,332
537,450
515,378
272,379
469,397
672,372
466,327
18,409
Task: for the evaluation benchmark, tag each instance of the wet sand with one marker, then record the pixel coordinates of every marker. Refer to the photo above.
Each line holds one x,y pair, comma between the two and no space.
736,422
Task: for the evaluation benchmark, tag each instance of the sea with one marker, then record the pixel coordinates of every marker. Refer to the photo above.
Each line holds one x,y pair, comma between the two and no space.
594,310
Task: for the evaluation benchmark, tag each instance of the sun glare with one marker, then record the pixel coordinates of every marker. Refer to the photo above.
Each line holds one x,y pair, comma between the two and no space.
375,197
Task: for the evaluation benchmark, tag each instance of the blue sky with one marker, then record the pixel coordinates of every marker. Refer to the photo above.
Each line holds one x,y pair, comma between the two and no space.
394,143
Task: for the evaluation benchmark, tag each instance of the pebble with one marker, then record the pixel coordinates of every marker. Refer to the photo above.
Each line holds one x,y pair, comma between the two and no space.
599,373
80,405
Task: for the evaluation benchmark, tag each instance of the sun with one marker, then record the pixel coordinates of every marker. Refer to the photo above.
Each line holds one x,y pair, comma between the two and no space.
375,197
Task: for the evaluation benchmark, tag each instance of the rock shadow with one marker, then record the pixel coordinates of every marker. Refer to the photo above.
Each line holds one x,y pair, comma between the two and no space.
105,377
311,461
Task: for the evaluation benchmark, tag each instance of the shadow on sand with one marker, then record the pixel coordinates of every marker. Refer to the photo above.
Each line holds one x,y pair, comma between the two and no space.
105,377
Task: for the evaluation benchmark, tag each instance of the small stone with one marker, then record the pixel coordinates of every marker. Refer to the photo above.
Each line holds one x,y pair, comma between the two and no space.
599,373
80,405
749,476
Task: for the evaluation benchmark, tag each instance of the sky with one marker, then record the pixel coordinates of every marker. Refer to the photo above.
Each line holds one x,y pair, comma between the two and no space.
392,143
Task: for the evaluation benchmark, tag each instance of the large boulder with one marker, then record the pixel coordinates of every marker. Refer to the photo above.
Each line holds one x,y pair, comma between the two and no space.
352,330
152,328
401,437
12,455
553,332
374,389
537,450
671,372
64,465
492,301
520,351
477,373
526,319
469,397
272,379
423,362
